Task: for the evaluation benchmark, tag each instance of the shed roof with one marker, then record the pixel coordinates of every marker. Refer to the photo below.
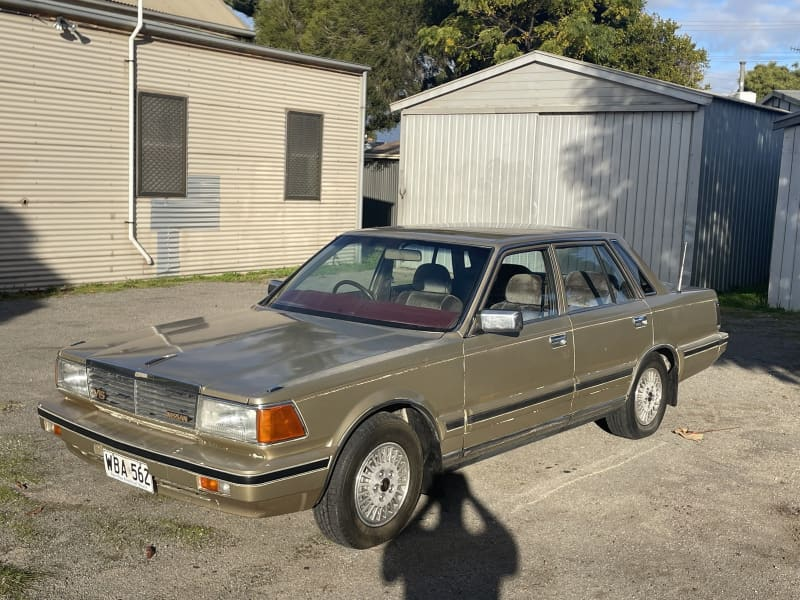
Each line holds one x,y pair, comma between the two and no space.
384,150
791,96
120,15
790,120
665,89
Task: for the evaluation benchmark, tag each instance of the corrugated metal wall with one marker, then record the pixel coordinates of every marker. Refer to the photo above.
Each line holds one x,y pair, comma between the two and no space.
736,205
237,111
623,172
784,282
63,158
381,176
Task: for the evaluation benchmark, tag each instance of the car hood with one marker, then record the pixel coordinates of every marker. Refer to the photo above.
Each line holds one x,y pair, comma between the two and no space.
251,353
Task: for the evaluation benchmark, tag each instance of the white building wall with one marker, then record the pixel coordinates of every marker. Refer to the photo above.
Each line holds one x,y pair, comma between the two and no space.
64,158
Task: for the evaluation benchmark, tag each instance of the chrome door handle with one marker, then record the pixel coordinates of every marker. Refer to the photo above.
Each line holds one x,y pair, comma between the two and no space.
640,321
558,340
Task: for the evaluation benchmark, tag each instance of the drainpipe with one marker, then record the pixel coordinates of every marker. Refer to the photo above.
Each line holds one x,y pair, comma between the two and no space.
361,140
131,139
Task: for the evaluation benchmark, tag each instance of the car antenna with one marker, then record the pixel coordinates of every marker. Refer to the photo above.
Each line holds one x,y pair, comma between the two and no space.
683,262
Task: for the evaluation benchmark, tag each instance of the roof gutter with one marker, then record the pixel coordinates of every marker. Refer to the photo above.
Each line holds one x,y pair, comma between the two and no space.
175,32
131,139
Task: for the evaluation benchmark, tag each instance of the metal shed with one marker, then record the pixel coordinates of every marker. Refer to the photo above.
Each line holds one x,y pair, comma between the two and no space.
784,281
544,139
783,99
170,145
381,172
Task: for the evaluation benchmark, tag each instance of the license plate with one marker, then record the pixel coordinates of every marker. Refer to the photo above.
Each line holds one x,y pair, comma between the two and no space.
127,470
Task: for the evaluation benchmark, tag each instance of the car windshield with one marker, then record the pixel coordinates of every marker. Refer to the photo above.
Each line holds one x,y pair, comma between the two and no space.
414,284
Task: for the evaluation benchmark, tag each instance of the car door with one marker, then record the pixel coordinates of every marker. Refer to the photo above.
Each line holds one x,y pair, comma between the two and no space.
610,324
517,383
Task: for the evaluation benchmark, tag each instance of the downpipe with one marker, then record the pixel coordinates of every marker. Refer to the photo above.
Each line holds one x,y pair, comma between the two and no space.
131,139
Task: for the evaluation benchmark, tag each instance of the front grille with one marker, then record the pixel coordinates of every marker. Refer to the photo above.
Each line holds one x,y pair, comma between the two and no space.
169,401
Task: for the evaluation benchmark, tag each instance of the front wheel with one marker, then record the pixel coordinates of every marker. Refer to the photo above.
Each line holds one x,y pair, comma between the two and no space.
644,408
375,484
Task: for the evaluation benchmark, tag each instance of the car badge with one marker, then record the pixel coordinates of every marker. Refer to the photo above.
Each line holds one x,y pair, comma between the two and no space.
175,416
97,393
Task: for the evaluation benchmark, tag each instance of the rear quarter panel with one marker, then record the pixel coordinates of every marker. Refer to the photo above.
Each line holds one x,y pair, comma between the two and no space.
688,322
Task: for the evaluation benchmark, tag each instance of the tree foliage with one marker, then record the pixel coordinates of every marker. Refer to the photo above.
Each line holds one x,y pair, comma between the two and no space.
765,79
381,35
613,33
411,44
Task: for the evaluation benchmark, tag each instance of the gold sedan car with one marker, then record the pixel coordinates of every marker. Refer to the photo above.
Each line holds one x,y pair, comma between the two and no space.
391,355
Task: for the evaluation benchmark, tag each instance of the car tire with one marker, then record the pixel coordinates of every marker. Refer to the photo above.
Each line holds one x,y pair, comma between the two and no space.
644,408
375,484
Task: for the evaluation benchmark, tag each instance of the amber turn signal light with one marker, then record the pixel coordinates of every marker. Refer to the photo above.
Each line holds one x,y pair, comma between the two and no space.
208,484
278,424
213,485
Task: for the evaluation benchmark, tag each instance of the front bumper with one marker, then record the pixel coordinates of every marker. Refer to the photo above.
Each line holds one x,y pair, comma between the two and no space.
258,487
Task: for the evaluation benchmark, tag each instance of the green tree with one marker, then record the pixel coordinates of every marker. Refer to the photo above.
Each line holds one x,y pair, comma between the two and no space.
764,79
613,33
381,35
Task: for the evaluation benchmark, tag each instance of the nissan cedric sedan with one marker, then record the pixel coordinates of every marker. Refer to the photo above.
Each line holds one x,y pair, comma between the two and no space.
391,355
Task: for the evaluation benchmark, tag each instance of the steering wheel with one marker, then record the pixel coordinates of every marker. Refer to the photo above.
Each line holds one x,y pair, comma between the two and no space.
354,284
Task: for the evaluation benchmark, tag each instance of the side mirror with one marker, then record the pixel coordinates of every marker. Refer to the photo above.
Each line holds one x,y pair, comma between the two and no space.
501,321
273,285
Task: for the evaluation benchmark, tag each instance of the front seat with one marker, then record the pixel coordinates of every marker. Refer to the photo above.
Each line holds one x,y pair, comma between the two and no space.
431,289
524,293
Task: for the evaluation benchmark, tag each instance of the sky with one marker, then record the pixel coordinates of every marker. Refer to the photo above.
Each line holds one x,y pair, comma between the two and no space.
749,30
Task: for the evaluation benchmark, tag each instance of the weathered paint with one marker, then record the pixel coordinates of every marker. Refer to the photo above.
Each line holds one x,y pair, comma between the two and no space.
784,281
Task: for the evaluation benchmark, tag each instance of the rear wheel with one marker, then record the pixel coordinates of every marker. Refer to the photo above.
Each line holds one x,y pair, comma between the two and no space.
644,408
375,484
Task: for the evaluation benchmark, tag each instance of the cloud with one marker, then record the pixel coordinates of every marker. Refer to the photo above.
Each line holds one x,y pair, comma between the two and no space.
737,30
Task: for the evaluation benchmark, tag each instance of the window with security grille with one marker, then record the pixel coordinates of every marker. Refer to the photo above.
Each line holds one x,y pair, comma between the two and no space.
162,145
303,156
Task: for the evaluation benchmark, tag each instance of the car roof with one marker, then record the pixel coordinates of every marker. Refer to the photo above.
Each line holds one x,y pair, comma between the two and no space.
493,235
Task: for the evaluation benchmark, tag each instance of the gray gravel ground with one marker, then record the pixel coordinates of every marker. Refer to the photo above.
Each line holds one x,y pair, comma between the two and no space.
580,515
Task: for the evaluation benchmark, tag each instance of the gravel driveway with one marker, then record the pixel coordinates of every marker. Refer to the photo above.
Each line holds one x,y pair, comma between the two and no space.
580,515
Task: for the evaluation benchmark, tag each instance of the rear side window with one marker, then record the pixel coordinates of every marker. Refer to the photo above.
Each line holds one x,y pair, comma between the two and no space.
633,267
591,277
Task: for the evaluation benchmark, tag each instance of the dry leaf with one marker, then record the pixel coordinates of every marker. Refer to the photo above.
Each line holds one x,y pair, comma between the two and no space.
35,511
688,434
149,551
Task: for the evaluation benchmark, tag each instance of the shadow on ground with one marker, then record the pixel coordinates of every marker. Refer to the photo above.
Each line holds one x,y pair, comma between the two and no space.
454,548
764,342
20,268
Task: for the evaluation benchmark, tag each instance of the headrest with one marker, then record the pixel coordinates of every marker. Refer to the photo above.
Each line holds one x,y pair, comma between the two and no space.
524,288
432,278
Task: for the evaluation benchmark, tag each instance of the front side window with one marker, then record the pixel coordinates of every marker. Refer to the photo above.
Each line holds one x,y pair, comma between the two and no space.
303,156
524,282
591,277
413,284
162,145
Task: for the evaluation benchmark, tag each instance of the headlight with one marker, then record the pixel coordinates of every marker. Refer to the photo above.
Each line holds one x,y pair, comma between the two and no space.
247,423
71,378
